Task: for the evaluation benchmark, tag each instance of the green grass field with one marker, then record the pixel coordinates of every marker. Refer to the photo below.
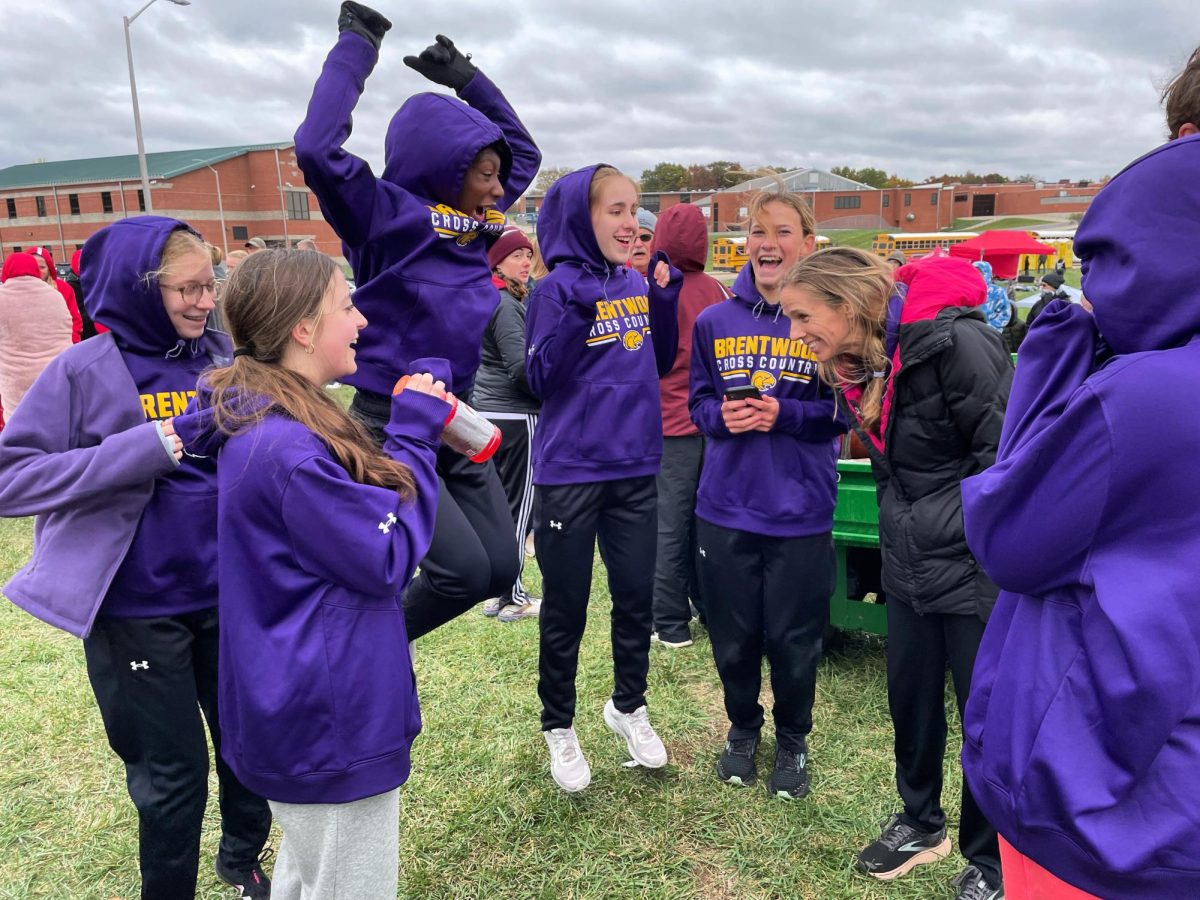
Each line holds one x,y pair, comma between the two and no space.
480,815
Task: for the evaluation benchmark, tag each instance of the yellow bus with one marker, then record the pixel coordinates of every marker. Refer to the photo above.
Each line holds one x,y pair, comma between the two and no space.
729,254
918,242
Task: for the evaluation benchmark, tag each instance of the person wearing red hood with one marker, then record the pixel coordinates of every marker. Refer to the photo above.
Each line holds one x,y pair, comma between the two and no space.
34,328
48,274
925,381
682,234
74,281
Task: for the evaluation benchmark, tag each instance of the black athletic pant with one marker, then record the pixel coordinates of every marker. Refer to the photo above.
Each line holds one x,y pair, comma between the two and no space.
766,595
918,649
675,567
152,678
474,554
569,518
514,466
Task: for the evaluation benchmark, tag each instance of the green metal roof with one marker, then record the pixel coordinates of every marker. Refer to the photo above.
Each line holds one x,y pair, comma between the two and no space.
121,168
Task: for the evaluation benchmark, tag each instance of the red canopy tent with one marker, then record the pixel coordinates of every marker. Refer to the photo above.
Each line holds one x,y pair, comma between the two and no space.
1002,249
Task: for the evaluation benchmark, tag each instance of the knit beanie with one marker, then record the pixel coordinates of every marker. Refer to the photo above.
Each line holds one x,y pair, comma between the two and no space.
512,239
1053,279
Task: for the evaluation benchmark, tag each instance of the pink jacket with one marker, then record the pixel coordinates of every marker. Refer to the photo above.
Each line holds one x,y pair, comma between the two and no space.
34,328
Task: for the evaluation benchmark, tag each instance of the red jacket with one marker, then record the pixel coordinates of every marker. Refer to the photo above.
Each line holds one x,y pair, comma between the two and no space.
682,234
72,308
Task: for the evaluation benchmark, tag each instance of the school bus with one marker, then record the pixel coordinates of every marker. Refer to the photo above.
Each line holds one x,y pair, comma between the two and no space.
918,242
729,254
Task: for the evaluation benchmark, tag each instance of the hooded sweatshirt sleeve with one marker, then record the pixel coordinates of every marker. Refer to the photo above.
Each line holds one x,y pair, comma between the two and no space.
811,420
344,184
664,314
556,329
370,540
485,97
40,469
704,403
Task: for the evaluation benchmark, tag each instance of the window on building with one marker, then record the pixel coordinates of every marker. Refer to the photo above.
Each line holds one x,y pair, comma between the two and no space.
12,208
685,198
908,199
73,201
106,201
852,201
887,201
960,198
241,233
530,205
141,201
17,249
650,202
933,199
297,205
41,204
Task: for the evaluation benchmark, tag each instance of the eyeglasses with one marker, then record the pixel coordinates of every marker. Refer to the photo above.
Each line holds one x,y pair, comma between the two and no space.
193,290
645,238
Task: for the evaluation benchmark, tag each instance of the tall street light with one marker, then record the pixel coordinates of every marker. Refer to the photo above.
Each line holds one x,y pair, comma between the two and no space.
137,118
220,205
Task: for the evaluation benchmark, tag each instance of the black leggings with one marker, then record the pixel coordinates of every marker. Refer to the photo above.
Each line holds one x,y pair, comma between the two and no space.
474,554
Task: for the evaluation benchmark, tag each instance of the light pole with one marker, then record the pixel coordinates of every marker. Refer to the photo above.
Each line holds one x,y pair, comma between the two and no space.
137,119
220,205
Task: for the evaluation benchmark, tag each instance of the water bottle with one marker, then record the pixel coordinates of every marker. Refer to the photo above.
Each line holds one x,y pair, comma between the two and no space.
465,431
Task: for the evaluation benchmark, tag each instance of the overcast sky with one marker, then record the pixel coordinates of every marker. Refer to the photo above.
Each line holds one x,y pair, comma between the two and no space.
1058,90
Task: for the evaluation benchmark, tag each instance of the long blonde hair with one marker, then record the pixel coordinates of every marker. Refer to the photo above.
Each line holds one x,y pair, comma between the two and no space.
853,279
808,222
264,299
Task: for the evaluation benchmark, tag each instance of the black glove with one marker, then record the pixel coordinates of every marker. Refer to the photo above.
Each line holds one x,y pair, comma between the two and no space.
364,21
441,63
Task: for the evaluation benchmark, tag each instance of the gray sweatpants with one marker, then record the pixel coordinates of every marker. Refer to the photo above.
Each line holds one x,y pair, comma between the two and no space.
332,851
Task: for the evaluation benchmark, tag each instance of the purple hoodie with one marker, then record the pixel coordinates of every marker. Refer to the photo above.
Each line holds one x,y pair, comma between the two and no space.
1083,725
317,696
79,453
420,265
781,482
587,353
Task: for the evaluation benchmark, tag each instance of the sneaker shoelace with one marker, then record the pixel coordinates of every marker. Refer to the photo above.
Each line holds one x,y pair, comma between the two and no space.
642,730
743,747
972,885
566,746
793,762
897,834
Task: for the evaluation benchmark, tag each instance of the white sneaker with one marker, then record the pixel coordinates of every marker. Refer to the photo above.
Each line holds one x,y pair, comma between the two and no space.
516,611
567,765
491,607
644,745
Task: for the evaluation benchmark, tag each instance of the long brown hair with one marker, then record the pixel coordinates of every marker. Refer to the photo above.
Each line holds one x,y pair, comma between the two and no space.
264,299
848,277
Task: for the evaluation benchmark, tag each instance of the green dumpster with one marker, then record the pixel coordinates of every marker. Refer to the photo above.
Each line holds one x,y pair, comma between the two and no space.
855,524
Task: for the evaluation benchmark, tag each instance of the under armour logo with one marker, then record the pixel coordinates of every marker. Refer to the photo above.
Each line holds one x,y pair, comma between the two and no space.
386,525
139,665
532,347
557,526
703,553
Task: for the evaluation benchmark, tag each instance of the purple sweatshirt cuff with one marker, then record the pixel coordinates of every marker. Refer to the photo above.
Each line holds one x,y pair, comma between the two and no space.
416,416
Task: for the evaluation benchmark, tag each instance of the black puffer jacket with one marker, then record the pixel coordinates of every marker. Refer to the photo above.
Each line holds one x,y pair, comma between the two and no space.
944,425
500,384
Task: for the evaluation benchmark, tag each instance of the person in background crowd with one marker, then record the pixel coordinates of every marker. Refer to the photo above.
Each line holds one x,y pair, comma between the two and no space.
639,252
125,549
925,380
502,394
896,259
307,244
1181,97
681,234
218,261
34,327
997,308
416,239
90,328
1083,726
49,274
254,245
538,270
598,339
1052,289
317,688
764,508
233,259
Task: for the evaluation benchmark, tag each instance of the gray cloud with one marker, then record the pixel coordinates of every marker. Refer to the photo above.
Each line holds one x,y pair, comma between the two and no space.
928,87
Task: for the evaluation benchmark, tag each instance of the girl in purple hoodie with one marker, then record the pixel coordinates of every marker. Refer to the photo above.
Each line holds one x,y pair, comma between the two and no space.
125,547
597,341
319,532
417,240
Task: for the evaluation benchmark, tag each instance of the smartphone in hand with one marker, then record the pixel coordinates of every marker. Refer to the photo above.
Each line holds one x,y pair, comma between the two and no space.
742,392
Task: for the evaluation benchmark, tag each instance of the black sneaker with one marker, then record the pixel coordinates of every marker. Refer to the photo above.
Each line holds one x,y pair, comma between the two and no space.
736,765
900,849
972,885
789,778
253,883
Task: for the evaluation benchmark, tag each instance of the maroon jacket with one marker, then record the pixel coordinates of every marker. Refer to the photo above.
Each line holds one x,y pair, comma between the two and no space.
683,235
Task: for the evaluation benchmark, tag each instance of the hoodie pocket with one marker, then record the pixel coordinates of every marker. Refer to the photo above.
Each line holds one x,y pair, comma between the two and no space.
375,709
621,422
